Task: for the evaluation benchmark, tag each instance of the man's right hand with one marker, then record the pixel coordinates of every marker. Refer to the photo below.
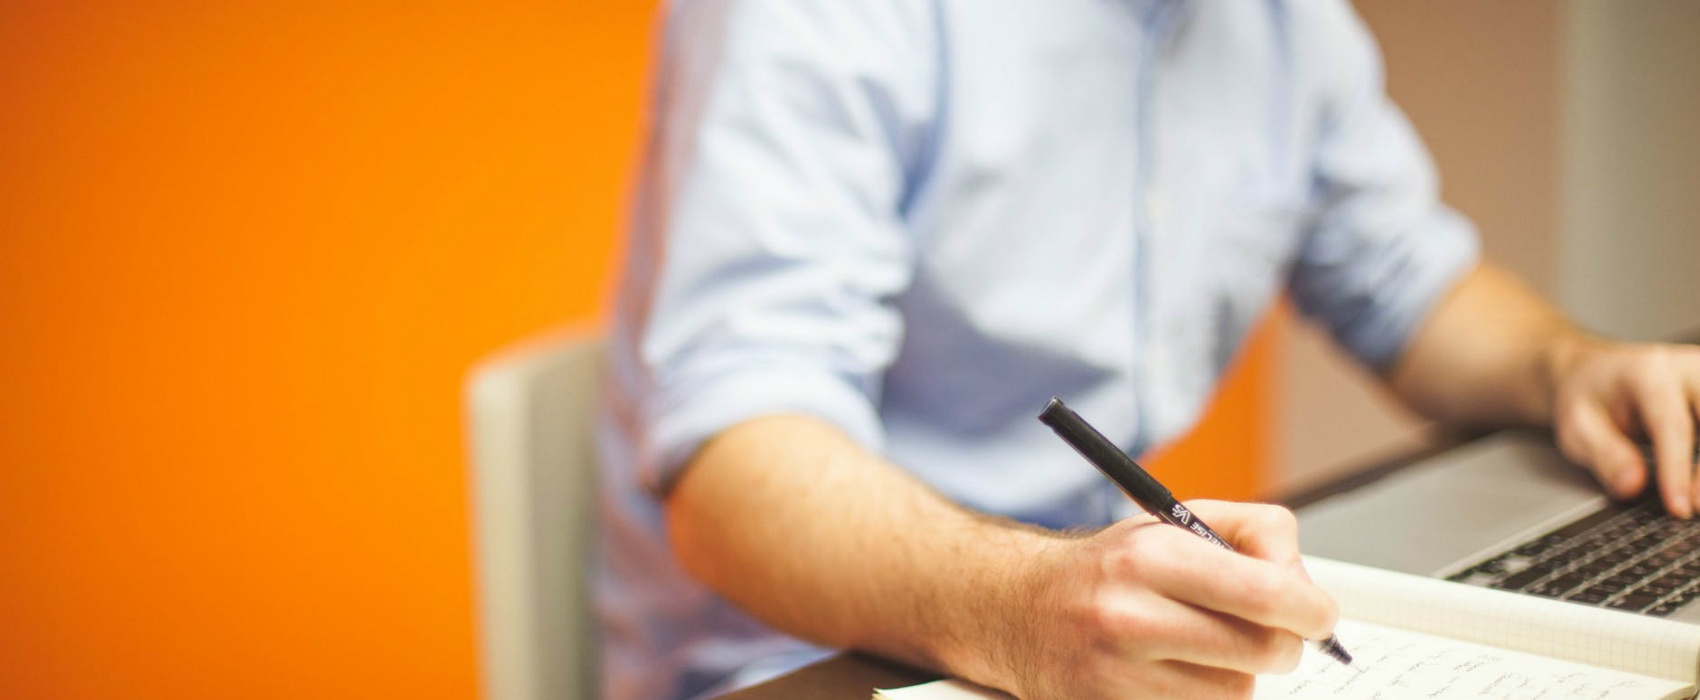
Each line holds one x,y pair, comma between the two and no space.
1145,609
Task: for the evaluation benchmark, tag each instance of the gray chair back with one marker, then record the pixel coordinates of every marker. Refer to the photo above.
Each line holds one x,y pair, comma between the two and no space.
529,414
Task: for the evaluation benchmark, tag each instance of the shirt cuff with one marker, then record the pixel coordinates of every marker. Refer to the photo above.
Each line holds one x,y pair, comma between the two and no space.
1434,262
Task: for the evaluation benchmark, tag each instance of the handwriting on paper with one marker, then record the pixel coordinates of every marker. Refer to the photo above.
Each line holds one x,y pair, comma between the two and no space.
1395,665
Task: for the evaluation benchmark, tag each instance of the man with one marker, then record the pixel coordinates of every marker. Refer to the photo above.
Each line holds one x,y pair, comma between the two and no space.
872,239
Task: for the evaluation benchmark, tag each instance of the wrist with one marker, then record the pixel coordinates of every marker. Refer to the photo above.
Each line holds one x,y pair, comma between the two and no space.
998,604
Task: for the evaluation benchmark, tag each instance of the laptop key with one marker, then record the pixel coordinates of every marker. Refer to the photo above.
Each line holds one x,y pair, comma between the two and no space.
1646,542
1660,587
1616,556
1561,584
1666,557
1593,569
1540,545
1522,579
1634,602
1590,597
1639,571
1494,566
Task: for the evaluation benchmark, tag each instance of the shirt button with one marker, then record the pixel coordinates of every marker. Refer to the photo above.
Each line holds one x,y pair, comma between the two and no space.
1156,206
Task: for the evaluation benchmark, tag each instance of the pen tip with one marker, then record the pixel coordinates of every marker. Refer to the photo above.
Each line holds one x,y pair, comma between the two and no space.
1331,646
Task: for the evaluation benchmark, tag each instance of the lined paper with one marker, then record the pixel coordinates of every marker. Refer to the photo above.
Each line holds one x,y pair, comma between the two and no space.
1395,664
1607,638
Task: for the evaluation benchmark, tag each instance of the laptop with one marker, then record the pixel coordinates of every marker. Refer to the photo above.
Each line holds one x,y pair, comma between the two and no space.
1509,512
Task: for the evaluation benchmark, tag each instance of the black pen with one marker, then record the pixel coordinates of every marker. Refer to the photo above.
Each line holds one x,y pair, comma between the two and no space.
1143,488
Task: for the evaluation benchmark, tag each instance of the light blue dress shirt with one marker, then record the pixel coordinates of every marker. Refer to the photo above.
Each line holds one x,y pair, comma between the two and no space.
919,220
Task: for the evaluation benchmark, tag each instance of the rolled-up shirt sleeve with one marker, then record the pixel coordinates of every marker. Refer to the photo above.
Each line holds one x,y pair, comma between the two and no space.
1383,249
784,144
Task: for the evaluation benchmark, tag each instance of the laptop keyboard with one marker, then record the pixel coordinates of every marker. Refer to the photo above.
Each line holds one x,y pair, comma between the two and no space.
1629,558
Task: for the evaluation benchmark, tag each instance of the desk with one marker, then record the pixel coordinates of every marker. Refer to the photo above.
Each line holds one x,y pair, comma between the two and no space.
854,676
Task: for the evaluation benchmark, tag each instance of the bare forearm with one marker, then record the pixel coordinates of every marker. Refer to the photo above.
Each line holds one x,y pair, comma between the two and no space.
1489,354
794,522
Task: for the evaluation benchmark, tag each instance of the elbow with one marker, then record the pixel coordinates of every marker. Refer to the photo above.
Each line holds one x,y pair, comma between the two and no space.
684,538
693,530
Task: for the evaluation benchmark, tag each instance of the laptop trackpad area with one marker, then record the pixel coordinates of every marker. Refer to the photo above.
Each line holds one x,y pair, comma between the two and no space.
1430,516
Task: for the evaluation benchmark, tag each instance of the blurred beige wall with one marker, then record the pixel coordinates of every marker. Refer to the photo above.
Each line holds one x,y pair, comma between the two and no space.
1570,133
1630,262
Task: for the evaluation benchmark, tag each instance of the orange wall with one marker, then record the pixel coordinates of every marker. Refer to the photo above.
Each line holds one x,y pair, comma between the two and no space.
247,251
1230,453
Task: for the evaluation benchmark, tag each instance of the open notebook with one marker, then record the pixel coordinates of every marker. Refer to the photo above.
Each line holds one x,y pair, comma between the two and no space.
1416,637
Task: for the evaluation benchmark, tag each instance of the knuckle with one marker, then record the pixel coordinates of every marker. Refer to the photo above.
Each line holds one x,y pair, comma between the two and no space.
1167,557
1280,517
1136,556
1572,413
1102,621
1651,371
1161,544
1131,566
1113,623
